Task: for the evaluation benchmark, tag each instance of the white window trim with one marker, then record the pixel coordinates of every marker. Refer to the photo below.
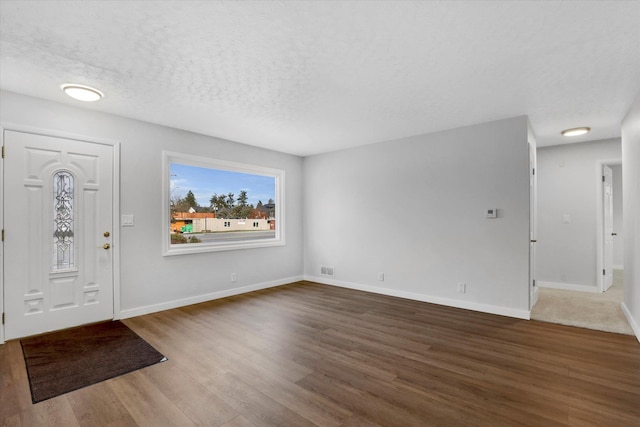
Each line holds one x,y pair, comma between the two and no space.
169,157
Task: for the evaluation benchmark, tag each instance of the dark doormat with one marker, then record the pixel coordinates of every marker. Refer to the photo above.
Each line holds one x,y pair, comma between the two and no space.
63,361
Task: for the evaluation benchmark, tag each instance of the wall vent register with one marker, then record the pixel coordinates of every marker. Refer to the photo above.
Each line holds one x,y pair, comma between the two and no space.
326,271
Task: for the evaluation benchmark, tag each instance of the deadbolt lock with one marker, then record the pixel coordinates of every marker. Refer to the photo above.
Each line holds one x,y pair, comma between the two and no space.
107,234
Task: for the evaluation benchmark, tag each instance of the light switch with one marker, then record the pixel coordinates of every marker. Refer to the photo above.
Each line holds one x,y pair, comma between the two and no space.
127,221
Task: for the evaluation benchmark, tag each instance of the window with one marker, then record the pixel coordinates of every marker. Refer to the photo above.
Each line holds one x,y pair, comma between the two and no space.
215,205
63,222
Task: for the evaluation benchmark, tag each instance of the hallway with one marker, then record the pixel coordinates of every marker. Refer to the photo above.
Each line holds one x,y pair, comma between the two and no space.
599,311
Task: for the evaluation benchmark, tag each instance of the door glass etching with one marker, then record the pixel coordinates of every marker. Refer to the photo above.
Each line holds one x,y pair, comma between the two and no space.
63,225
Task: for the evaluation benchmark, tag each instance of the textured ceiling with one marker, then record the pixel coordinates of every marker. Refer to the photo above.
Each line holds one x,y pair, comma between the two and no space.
312,77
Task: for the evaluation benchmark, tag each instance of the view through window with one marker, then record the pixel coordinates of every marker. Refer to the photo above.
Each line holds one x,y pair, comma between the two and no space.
215,205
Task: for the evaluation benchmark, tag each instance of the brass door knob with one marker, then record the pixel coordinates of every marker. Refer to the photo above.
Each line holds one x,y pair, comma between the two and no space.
106,246
107,234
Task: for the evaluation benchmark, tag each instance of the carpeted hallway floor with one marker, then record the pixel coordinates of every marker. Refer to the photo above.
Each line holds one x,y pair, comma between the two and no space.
600,311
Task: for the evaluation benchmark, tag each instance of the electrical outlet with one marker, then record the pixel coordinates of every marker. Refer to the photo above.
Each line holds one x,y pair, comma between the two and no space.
234,277
462,288
381,277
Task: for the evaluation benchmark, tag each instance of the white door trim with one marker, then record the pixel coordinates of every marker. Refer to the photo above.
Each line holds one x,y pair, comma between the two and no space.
115,204
533,222
600,219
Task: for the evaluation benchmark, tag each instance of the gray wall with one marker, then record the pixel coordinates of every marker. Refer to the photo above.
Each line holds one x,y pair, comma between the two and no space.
567,185
631,209
414,210
618,226
148,278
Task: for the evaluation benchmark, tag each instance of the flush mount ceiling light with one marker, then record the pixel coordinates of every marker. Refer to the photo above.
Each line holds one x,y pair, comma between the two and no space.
575,131
82,93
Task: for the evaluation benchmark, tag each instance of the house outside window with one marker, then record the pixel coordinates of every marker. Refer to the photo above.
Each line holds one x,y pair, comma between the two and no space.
215,205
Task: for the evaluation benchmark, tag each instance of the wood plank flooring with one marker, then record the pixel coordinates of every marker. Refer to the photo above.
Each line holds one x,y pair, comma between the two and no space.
307,354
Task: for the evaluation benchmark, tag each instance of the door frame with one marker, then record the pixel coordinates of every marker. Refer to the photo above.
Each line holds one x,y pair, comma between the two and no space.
115,204
533,222
600,218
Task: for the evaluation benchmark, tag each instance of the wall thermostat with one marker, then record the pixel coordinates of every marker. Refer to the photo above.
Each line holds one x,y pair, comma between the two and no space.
491,213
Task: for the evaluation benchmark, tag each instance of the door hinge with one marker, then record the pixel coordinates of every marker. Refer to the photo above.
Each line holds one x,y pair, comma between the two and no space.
602,175
3,234
534,283
533,171
604,273
3,151
3,318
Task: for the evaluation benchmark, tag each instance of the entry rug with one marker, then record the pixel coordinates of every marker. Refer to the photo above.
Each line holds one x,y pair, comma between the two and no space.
63,361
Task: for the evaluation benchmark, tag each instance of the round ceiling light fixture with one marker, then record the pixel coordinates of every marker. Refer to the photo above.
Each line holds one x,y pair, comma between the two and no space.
81,92
576,131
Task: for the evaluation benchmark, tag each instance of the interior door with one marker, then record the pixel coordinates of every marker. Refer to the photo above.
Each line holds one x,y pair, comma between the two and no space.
607,194
58,221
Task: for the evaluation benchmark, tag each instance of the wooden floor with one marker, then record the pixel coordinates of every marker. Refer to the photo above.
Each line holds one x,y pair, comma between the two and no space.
309,354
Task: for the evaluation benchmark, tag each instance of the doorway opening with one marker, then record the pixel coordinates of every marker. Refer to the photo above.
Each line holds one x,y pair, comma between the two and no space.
600,308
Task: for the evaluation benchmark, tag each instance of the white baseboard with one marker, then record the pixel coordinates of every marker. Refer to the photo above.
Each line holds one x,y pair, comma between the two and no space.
632,322
139,311
567,286
618,267
467,305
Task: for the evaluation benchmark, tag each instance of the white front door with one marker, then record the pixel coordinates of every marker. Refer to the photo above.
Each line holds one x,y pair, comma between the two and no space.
607,192
58,223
